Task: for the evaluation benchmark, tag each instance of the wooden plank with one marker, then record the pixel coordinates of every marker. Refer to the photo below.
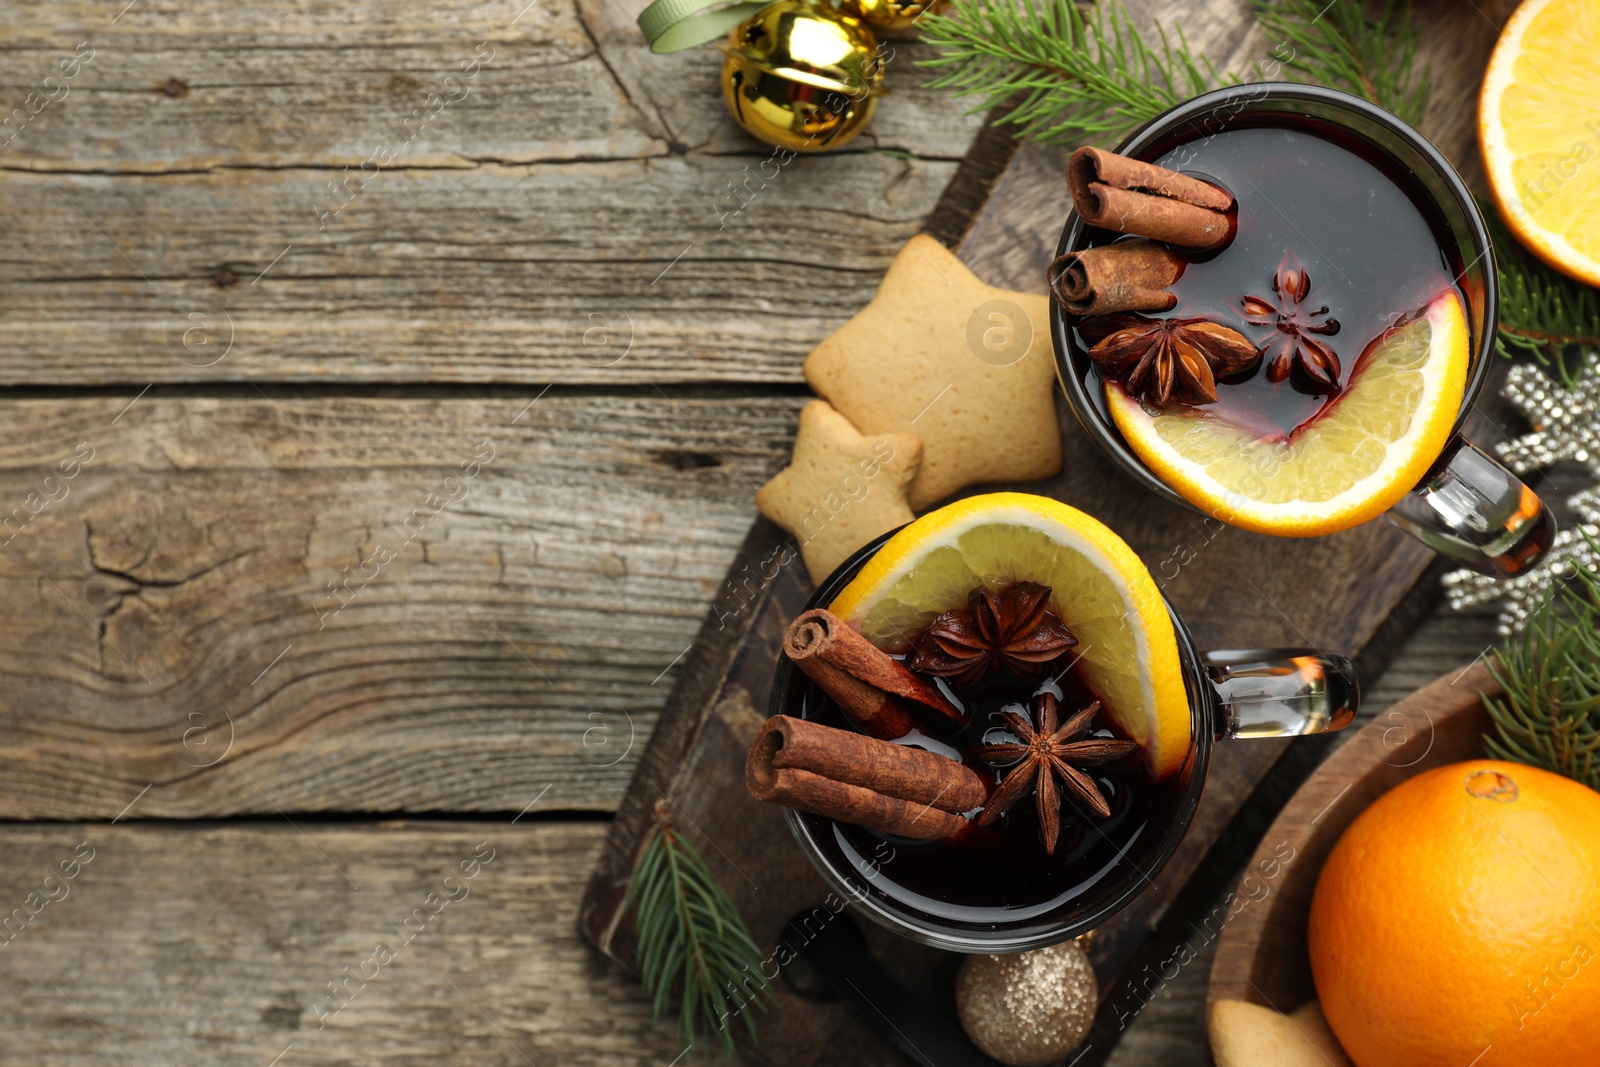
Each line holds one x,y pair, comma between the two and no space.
285,216
459,276
168,86
216,946
314,83
521,635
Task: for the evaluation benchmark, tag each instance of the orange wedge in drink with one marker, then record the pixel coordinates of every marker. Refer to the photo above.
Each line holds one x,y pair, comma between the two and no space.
1353,461
1100,588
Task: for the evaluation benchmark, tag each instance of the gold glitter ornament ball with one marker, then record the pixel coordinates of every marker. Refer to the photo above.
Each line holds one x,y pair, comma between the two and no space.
1027,1010
802,77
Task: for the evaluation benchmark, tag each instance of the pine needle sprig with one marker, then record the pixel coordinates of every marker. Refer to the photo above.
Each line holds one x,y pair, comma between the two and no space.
1070,75
1543,313
1549,713
1366,49
692,940
1067,73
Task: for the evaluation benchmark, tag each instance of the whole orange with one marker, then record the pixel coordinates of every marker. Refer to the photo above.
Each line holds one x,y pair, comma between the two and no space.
1457,922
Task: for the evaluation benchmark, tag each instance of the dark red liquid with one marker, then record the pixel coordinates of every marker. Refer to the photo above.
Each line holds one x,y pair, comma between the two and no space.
1359,227
1001,873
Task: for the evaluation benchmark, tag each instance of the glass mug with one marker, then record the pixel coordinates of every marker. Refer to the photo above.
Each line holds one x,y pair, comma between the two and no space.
1467,506
1239,694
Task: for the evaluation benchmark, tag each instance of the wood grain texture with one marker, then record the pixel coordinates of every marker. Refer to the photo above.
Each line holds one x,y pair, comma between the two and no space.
1454,48
459,276
216,945
519,636
318,84
168,86
299,187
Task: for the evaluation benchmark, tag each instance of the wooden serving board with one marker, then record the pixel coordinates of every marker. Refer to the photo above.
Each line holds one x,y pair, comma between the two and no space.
1358,592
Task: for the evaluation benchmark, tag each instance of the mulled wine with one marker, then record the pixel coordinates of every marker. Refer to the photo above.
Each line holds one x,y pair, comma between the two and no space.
1332,246
1316,229
1003,873
990,731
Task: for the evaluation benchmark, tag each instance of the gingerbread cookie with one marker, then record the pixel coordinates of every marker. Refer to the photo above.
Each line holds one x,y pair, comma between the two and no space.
841,488
964,366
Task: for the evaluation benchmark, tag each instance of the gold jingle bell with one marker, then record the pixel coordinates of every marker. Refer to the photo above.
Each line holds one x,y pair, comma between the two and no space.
888,14
801,77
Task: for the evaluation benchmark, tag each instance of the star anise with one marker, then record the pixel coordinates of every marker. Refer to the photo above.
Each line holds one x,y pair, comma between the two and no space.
1163,359
1046,755
1015,628
1294,349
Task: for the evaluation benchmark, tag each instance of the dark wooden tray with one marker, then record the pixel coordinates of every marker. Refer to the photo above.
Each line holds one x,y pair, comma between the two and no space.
1359,592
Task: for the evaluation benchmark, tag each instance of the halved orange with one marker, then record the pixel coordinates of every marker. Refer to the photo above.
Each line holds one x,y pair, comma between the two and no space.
1539,128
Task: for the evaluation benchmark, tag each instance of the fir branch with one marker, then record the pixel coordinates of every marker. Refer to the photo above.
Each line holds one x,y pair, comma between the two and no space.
692,940
1067,73
1549,715
1368,50
1543,313
1073,75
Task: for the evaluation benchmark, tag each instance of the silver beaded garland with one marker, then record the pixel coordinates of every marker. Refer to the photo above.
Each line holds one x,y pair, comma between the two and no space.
1566,425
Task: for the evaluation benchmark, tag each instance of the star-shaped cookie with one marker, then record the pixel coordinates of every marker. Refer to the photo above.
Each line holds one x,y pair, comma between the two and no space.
963,365
841,488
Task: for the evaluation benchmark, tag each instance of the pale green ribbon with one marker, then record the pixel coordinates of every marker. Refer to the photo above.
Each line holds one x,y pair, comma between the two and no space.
673,25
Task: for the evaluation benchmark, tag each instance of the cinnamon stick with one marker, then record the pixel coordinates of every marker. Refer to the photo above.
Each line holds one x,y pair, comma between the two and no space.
1120,277
853,778
876,691
1130,196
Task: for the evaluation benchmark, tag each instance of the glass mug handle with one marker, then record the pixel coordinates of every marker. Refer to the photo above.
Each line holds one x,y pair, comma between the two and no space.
1282,692
1472,509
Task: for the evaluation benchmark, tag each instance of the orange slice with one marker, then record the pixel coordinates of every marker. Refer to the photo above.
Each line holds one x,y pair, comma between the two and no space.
1364,451
1099,587
1539,128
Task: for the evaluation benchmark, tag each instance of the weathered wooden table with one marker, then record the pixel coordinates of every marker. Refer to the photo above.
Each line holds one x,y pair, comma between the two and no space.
386,385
